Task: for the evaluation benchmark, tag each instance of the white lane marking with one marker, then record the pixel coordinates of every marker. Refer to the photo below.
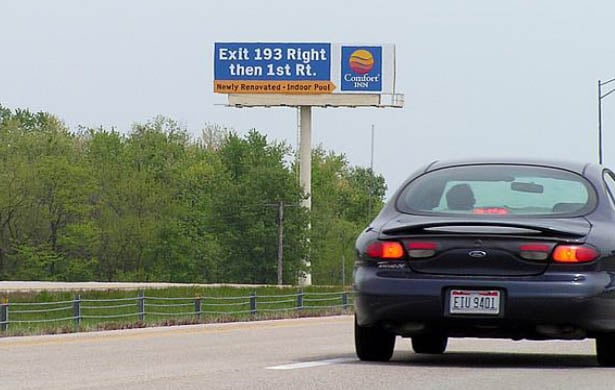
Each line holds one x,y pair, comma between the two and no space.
317,363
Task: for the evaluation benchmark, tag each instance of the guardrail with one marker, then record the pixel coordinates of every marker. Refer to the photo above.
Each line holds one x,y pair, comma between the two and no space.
142,307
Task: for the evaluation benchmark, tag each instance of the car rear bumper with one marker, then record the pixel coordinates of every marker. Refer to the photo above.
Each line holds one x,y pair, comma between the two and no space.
552,305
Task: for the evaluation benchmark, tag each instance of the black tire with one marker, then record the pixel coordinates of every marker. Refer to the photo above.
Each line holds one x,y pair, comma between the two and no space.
605,349
432,343
373,343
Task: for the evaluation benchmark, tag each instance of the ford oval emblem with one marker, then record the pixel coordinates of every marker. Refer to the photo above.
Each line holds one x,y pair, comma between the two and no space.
477,254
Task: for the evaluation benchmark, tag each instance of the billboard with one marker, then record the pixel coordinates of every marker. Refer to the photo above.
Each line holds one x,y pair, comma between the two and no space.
303,68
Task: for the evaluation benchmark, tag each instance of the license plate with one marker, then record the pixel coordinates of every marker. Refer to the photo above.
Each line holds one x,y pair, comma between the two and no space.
474,302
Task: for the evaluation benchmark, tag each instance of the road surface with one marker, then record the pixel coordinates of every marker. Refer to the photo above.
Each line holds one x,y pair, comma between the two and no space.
315,353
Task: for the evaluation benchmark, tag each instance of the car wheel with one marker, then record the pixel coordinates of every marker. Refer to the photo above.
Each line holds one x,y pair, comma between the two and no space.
373,343
435,344
605,349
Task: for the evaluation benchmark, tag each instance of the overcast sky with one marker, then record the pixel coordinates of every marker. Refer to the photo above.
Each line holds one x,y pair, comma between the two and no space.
480,78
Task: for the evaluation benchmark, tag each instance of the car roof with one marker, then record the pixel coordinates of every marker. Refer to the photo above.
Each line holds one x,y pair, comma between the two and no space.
574,166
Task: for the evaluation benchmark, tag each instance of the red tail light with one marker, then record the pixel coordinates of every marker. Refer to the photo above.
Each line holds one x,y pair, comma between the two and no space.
574,254
421,249
385,250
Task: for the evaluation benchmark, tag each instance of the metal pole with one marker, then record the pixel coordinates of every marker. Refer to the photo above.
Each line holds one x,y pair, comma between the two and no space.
253,303
141,305
343,269
305,175
305,154
198,308
600,97
371,161
77,312
599,122
4,315
280,243
344,300
300,300
371,172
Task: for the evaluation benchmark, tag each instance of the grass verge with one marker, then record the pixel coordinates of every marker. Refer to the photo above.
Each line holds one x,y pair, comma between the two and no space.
46,312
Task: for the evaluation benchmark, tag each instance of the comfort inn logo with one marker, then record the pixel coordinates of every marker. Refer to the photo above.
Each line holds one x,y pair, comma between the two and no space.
361,68
361,61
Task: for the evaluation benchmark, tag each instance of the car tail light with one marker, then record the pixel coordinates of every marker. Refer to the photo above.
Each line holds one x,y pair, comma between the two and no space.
385,250
535,251
574,254
421,249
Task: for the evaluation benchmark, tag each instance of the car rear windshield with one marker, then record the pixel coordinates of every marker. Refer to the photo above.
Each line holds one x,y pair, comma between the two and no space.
498,190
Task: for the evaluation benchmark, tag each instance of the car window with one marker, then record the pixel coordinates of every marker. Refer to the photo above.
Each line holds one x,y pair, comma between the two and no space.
498,190
610,185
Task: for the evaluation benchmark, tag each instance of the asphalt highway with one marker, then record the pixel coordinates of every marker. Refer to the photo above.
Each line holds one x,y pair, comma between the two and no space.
315,353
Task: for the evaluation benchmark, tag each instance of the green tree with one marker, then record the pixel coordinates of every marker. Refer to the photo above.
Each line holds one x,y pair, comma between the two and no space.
154,204
259,178
47,192
341,202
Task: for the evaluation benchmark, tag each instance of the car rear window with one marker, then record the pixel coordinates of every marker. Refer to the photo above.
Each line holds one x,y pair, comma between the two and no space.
498,190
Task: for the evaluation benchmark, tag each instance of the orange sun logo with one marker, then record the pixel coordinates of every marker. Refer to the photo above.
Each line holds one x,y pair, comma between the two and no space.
361,61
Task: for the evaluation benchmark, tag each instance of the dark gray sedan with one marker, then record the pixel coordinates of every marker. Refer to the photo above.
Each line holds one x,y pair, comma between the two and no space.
496,249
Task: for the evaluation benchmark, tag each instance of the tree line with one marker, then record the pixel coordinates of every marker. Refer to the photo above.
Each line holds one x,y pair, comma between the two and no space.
157,204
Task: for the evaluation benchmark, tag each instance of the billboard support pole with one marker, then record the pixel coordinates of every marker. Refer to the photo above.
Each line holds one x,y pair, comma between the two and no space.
305,175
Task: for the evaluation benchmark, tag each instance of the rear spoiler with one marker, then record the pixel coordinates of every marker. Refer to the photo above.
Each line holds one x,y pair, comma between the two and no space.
570,229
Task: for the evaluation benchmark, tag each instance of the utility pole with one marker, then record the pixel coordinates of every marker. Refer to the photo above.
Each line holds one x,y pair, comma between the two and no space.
280,243
343,269
600,97
280,221
371,173
371,160
599,122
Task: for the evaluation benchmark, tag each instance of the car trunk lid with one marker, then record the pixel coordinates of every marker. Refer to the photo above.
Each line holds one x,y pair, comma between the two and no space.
483,247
